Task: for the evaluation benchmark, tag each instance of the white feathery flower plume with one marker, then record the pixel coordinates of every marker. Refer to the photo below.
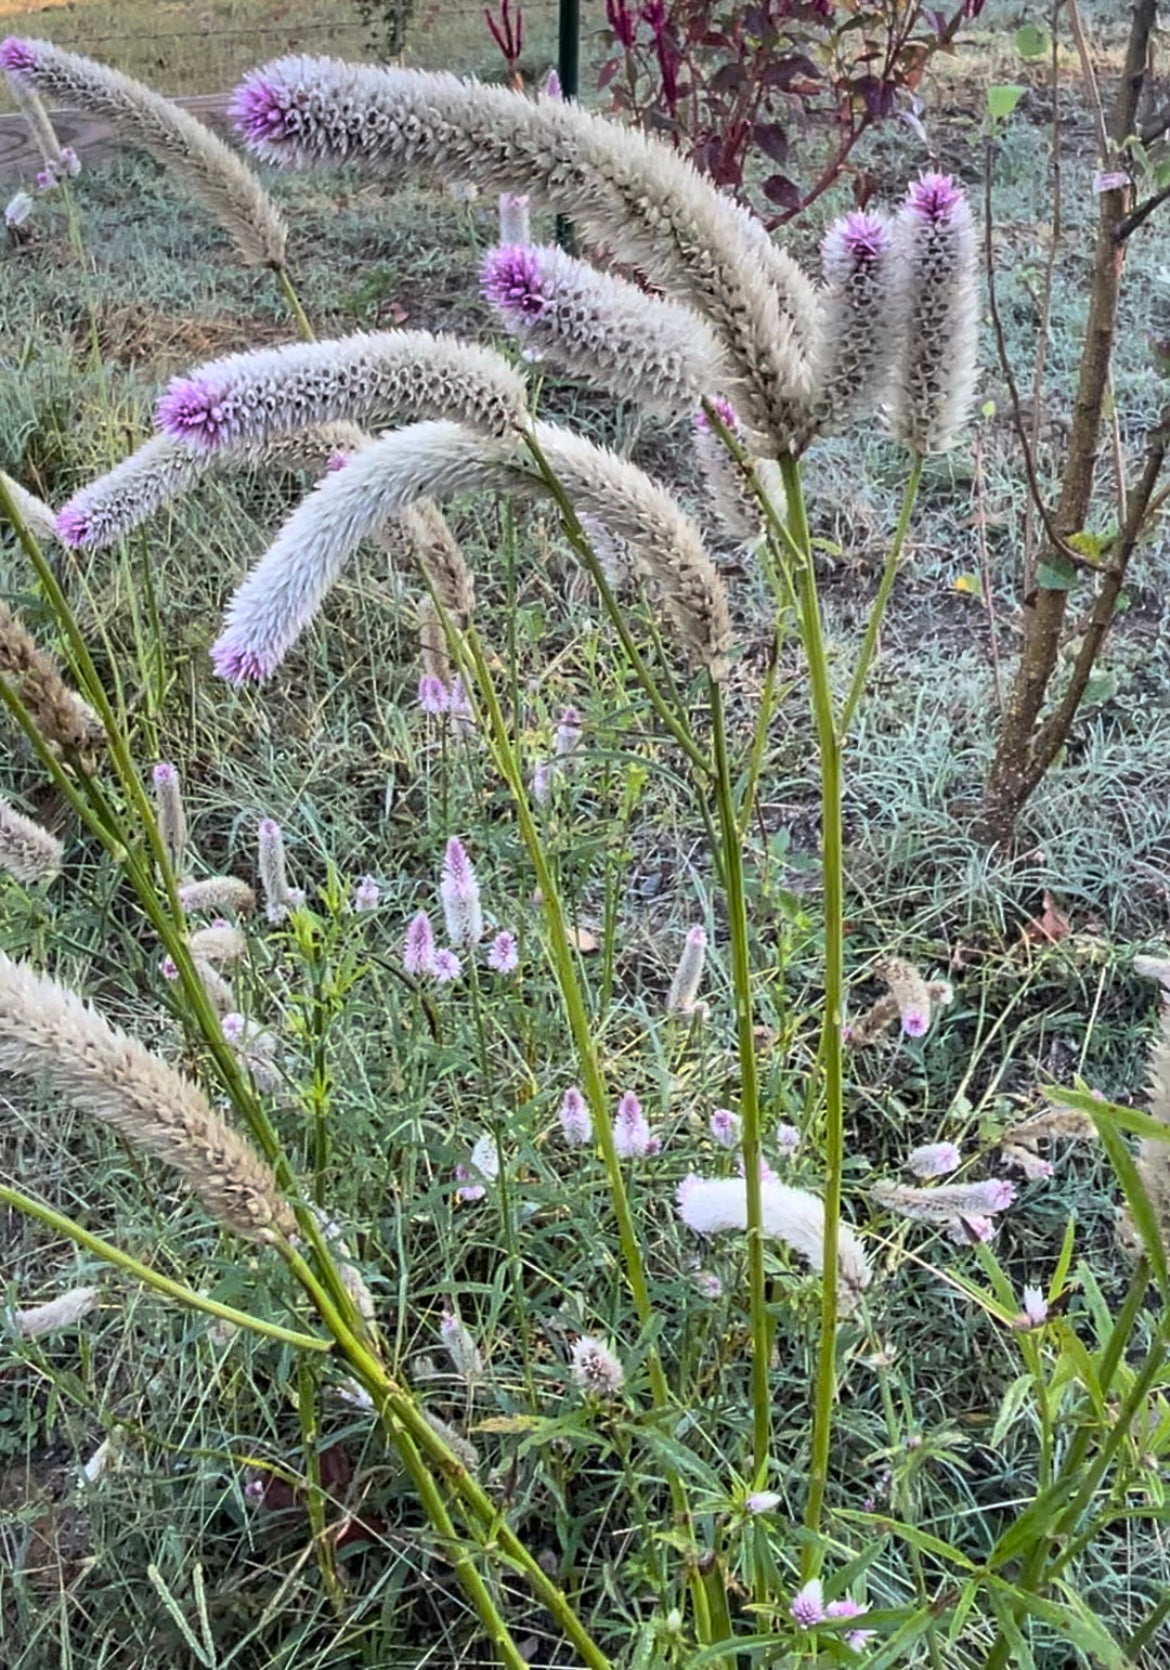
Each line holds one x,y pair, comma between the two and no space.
711,1205
621,187
284,591
459,891
385,377
162,469
934,380
187,149
655,352
36,514
62,1312
27,850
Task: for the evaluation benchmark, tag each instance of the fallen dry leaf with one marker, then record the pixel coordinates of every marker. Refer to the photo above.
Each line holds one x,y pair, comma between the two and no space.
1047,928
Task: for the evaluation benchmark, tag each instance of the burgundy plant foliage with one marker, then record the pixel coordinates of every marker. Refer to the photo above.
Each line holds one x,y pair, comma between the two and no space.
789,83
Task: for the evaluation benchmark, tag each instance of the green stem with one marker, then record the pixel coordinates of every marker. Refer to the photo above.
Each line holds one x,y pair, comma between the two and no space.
749,1090
183,1295
877,613
287,289
833,889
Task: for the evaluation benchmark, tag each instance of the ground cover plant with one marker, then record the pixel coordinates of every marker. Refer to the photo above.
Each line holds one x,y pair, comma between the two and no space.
546,944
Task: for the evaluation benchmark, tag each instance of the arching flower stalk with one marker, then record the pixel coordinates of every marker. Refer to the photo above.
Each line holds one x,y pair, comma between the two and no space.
279,897
934,239
421,535
621,187
188,150
387,377
641,348
284,591
710,1206
163,469
48,1032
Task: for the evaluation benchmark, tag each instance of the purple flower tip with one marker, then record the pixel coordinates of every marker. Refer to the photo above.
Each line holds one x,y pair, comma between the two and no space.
190,410
72,526
724,411
337,461
239,665
511,280
164,772
552,85
863,238
934,197
258,110
17,57
915,1023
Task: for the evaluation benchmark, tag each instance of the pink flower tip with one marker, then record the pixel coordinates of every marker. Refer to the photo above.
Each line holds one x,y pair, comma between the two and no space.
916,1023
239,665
191,410
511,280
552,86
366,894
164,772
337,461
446,967
724,411
808,1607
934,197
72,526
258,110
855,242
503,954
17,57
432,695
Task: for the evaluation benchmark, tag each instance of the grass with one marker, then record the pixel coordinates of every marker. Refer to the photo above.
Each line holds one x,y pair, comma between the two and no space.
185,1552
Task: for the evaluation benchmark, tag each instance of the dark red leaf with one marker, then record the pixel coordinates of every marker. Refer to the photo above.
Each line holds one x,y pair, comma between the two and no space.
778,188
772,139
729,78
607,72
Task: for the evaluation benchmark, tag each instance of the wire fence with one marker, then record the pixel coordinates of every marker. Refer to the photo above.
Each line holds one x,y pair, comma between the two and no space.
186,49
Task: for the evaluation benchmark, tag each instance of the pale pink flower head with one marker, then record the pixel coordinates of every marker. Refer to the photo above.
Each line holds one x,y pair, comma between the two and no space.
552,86
503,954
511,280
848,1608
169,969
418,953
568,735
459,891
969,1228
724,1128
542,781
71,161
432,695
595,1368
18,57
46,179
336,461
916,1021
446,967
632,1137
762,1501
808,1605
787,1140
1035,1312
366,895
576,1120
934,1159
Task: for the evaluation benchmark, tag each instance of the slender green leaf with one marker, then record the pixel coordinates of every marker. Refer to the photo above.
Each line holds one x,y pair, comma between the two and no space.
1014,1400
1142,1212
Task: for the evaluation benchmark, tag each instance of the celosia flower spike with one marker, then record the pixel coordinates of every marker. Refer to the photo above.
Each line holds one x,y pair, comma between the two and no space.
711,1205
393,376
600,327
65,1311
911,994
863,322
575,1118
461,1347
27,850
139,116
684,988
946,1202
279,897
632,1137
284,591
459,890
170,814
621,187
418,953
935,373
934,1159
503,953
217,893
808,1606
48,1032
162,469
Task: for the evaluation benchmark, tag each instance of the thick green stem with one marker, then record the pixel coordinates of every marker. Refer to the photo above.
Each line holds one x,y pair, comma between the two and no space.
749,1090
61,1225
833,892
877,612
